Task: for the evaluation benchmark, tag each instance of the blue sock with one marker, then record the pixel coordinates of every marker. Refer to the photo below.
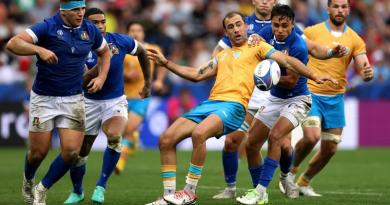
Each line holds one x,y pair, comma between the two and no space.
255,174
58,168
29,170
77,174
269,168
286,161
230,167
110,159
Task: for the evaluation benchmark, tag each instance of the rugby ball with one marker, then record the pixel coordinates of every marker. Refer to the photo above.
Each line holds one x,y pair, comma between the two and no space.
267,74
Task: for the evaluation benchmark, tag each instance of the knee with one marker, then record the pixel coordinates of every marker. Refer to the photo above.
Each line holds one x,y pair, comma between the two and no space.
329,149
35,157
113,132
114,142
198,137
230,144
275,138
165,141
312,139
70,156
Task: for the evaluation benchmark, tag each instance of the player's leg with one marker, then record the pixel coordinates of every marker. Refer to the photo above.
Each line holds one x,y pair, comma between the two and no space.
311,135
230,158
38,147
332,108
93,120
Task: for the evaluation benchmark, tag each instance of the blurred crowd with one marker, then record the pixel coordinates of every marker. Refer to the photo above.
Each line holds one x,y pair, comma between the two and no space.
188,30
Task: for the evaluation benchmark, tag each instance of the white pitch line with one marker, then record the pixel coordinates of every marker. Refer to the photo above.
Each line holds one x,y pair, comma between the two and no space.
325,192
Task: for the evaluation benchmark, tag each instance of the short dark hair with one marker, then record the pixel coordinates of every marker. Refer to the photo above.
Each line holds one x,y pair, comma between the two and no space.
330,2
230,15
93,11
132,23
283,10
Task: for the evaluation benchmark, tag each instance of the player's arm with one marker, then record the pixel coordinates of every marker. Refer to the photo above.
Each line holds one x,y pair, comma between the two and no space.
288,81
158,84
103,67
145,66
23,44
193,74
321,52
363,67
297,66
223,43
217,49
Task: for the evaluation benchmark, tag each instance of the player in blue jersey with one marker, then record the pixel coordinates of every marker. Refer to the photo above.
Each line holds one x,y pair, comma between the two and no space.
107,109
61,44
260,19
282,111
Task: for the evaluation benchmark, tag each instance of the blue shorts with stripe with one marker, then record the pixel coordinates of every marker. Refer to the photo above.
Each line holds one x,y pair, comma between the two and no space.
232,114
330,110
138,106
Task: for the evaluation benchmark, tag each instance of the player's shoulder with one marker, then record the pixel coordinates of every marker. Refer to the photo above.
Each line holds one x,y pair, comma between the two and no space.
351,33
266,32
298,41
315,27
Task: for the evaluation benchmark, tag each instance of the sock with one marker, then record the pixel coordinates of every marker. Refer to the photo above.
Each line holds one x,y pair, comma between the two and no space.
77,173
304,180
255,174
29,170
230,167
269,168
286,161
168,175
110,159
58,168
193,176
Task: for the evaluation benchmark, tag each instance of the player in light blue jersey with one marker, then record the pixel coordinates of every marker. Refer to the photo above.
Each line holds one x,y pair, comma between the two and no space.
282,111
260,19
106,109
61,44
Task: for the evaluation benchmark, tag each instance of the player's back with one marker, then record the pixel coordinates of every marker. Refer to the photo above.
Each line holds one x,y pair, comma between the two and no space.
335,67
131,64
234,81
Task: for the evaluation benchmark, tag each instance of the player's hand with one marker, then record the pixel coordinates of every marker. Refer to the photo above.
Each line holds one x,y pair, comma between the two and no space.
157,57
145,91
323,79
255,40
158,86
95,84
367,72
47,56
339,51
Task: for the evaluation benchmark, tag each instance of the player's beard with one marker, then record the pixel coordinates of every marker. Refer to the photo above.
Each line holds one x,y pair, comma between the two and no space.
336,22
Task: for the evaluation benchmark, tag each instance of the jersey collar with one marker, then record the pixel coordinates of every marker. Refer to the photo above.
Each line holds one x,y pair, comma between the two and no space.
260,21
328,27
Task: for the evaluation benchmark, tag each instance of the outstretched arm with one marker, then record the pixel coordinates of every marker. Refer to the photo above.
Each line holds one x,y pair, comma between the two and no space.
321,52
193,74
295,65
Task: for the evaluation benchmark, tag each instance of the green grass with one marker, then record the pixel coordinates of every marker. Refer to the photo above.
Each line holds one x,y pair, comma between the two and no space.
352,177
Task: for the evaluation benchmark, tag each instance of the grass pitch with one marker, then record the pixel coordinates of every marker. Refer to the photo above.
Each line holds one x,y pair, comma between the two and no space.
352,177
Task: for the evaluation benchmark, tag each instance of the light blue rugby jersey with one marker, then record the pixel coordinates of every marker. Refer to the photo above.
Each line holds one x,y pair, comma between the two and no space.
71,46
294,46
119,45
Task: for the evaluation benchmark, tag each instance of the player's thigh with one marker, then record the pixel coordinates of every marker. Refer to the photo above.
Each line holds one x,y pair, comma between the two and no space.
211,126
178,131
134,122
257,134
71,140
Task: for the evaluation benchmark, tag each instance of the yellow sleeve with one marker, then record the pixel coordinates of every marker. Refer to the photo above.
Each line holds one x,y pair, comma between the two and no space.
266,50
359,46
126,63
308,32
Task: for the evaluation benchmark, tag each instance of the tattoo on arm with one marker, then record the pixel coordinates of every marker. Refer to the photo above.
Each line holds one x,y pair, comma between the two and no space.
208,66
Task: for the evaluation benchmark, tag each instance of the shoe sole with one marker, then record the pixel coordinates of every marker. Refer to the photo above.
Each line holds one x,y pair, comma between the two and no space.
75,202
96,202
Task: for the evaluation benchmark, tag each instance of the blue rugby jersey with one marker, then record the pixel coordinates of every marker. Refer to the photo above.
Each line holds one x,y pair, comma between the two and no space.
294,46
71,46
119,45
254,26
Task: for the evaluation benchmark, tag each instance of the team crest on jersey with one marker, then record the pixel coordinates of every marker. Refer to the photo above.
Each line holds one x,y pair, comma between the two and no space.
60,34
84,36
113,49
250,27
236,54
285,51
